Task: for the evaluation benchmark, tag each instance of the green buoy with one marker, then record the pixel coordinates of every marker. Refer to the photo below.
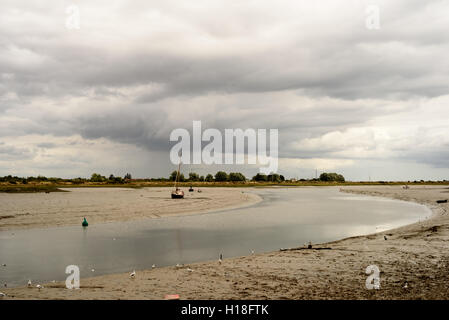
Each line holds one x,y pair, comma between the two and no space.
84,224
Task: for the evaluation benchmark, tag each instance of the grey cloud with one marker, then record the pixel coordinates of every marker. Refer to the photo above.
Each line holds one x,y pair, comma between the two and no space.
349,63
250,67
46,145
9,153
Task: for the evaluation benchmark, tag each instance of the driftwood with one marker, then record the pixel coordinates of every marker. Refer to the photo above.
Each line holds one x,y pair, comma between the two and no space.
302,248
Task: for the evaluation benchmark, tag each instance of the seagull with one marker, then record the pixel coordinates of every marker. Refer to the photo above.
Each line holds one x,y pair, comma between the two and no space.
2,295
189,270
405,285
133,274
93,270
153,266
252,252
220,259
39,287
29,284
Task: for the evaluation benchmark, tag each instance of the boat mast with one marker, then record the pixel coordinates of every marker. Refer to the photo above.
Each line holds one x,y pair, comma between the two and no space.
177,174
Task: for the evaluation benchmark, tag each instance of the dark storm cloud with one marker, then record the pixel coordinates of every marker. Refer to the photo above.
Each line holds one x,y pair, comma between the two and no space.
353,62
134,72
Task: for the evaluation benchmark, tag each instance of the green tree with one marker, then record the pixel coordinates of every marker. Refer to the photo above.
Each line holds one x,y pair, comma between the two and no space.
260,177
274,177
236,176
221,176
331,177
173,175
194,176
96,177
209,178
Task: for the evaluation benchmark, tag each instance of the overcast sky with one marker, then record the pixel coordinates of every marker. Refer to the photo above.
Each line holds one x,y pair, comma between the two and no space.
105,97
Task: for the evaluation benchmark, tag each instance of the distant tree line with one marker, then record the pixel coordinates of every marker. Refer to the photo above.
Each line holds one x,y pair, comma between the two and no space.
220,176
269,178
94,178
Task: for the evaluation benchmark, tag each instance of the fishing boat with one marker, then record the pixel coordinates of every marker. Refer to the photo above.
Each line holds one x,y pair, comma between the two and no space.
177,193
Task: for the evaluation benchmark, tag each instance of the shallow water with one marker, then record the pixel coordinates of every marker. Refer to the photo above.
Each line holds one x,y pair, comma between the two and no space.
287,217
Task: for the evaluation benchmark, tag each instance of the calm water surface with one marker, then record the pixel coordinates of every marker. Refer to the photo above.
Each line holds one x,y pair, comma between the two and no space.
286,217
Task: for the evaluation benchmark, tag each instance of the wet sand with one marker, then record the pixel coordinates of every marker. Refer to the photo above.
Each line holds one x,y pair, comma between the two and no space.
99,205
413,263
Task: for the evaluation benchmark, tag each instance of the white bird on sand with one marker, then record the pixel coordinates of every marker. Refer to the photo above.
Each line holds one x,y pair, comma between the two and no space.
133,274
29,284
39,287
2,295
153,266
220,259
406,285
189,270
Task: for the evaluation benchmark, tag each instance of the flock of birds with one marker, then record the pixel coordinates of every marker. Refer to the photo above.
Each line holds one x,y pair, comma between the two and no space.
132,275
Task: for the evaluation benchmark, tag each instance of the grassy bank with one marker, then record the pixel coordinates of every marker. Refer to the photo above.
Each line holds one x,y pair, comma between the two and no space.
29,188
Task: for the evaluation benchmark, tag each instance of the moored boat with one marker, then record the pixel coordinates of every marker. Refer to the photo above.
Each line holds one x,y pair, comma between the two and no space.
177,193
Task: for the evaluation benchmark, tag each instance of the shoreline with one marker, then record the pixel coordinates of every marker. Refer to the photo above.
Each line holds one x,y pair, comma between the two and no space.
145,203
415,254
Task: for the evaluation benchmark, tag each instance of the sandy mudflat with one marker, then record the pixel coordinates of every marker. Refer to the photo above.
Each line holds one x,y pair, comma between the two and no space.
417,254
98,205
